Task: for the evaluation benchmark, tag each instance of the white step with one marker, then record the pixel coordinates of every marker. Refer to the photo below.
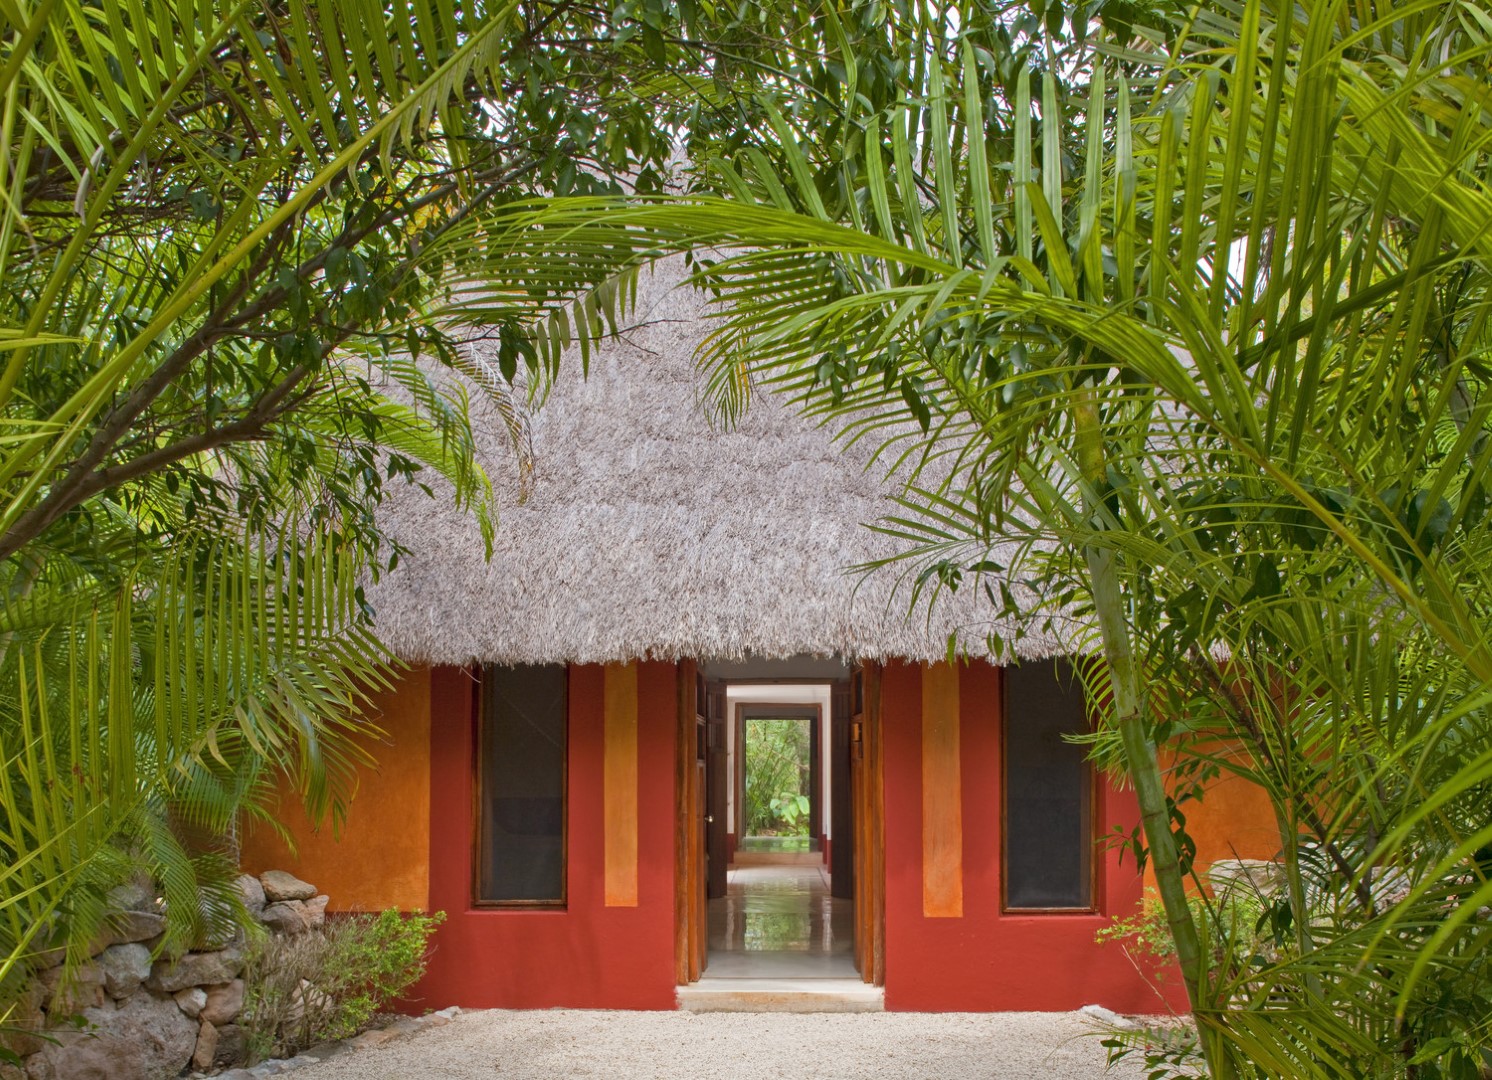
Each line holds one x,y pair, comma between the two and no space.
782,995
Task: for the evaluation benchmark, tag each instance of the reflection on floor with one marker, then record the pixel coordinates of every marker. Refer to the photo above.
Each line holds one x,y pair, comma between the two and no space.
779,922
778,843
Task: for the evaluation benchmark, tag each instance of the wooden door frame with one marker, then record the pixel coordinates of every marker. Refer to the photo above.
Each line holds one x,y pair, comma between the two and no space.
717,789
691,938
844,808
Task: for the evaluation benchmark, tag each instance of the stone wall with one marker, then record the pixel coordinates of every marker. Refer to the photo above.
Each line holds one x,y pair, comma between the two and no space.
130,1015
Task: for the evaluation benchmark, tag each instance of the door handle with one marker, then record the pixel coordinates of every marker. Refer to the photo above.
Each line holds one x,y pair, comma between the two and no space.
709,819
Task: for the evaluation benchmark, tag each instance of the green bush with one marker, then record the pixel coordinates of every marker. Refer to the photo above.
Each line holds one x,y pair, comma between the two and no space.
777,764
1235,925
331,982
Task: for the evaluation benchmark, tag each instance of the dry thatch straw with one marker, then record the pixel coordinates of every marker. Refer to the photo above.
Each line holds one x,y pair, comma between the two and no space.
646,533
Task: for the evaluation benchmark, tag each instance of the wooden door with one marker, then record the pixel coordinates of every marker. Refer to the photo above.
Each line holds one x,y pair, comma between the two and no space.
700,883
716,780
867,787
841,796
860,894
691,942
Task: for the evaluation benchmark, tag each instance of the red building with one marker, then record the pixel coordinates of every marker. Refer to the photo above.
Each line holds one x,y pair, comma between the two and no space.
562,771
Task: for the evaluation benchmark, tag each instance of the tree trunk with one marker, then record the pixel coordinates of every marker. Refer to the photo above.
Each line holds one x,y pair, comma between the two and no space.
1130,707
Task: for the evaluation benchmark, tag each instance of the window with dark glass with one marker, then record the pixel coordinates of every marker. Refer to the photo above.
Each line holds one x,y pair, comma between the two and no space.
1048,827
521,786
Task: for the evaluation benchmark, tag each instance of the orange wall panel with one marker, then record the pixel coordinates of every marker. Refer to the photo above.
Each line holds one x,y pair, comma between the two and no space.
382,858
942,798
1233,820
619,783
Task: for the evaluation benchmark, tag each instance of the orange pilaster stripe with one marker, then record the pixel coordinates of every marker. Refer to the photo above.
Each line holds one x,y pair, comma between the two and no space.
619,784
942,795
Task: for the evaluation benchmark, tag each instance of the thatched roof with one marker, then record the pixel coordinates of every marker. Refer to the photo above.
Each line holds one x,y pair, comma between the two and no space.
646,532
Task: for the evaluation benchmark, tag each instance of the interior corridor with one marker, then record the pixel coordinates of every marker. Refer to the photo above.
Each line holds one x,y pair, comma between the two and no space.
778,921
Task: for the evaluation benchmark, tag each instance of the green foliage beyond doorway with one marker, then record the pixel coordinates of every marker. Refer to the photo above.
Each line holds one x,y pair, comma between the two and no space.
777,776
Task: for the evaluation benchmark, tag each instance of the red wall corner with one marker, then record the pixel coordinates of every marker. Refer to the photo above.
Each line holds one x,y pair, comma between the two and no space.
986,960
587,955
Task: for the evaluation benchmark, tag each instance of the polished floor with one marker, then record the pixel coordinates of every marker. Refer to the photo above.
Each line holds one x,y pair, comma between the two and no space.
779,922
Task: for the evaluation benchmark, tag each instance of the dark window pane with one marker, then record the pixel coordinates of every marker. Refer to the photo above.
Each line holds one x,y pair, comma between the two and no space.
521,841
1048,790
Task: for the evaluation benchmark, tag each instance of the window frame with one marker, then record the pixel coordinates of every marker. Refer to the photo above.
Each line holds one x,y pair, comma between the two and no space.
1095,864
479,690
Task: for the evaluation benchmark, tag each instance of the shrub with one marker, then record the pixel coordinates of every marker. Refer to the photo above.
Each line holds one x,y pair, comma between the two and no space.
1235,925
331,982
777,767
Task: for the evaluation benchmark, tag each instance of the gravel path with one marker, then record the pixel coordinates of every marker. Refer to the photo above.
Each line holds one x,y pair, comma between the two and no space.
564,1043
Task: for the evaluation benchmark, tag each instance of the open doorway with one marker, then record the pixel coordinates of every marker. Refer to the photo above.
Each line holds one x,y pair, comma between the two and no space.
778,808
778,917
774,808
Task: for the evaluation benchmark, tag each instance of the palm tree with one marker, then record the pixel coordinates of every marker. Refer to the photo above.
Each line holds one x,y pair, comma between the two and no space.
179,550
1199,316
225,234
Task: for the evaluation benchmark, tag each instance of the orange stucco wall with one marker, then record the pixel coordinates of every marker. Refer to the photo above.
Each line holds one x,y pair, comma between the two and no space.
382,857
1232,820
408,842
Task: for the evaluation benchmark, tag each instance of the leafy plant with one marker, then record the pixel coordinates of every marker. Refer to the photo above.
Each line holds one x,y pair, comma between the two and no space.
1144,935
243,246
791,808
777,802
331,982
1176,334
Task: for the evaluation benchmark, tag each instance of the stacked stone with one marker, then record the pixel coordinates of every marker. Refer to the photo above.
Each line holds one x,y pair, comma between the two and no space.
283,902
1261,878
144,1019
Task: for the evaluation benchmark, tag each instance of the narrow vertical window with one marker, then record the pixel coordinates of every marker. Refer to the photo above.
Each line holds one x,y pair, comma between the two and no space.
520,856
1048,827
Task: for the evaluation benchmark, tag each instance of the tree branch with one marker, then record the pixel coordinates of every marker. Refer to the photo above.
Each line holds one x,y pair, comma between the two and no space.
254,424
84,478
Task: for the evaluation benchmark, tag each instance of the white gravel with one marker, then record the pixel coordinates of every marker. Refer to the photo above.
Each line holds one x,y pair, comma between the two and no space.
561,1043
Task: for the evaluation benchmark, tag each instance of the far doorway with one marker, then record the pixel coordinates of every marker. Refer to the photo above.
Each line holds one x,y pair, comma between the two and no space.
780,915
777,782
780,871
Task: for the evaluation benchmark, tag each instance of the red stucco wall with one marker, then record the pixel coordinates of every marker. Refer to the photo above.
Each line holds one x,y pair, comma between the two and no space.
985,960
588,955
594,956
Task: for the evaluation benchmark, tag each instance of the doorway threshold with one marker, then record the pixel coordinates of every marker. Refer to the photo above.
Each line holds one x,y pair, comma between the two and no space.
781,995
